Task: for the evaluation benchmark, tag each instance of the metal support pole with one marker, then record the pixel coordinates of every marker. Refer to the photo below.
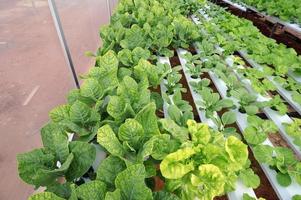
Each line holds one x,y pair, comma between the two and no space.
109,7
61,35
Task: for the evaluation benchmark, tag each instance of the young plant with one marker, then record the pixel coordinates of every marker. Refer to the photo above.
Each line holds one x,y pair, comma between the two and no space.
282,160
214,62
193,59
294,130
226,119
276,103
232,83
258,130
178,109
263,86
289,83
200,85
296,96
206,47
194,65
172,81
248,102
211,103
258,80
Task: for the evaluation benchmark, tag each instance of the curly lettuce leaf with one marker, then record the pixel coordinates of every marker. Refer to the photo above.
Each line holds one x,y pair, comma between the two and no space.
175,165
210,179
200,133
163,195
237,152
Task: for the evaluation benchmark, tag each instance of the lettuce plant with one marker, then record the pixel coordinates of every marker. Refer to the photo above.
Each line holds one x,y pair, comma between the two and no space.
289,83
247,101
185,32
172,83
115,109
227,118
294,130
285,10
40,166
212,103
292,85
263,50
194,65
131,58
296,96
130,98
258,80
277,103
178,110
282,160
162,37
135,37
200,85
207,161
232,83
258,130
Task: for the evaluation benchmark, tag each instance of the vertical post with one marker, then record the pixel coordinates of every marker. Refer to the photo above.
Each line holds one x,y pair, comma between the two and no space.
61,35
109,7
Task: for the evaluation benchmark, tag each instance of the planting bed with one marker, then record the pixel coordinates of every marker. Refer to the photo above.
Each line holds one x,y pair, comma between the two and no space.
284,32
188,102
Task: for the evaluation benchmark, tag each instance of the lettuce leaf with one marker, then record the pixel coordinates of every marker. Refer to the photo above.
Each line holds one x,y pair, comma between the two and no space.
108,170
45,196
176,165
148,119
84,156
131,183
107,138
131,132
91,190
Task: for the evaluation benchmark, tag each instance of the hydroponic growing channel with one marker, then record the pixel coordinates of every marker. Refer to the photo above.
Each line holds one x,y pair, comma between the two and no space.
186,101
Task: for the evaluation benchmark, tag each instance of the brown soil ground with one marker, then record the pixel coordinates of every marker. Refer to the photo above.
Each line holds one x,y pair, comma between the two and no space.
34,76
